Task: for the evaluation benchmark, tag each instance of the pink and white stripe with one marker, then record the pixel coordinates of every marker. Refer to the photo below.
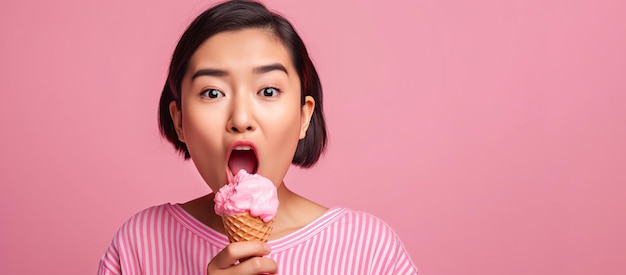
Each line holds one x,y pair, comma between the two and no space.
167,240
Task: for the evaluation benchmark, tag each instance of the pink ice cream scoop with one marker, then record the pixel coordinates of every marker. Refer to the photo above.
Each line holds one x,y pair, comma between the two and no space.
250,193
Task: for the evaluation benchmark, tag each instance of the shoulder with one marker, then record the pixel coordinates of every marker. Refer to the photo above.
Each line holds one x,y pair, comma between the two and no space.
128,240
360,221
384,248
150,215
143,221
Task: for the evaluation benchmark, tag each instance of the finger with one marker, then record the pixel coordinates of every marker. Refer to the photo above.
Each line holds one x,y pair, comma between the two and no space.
255,265
239,250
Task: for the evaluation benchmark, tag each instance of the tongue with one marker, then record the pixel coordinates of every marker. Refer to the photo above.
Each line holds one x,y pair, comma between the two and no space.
240,159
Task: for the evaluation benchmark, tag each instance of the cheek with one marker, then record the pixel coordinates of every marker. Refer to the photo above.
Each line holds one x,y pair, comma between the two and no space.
203,121
202,130
285,131
205,144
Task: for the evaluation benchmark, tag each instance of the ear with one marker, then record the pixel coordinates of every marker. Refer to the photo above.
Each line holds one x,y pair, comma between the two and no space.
177,119
306,114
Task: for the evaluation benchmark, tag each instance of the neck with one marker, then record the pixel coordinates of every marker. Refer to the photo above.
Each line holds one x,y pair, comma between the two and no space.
294,212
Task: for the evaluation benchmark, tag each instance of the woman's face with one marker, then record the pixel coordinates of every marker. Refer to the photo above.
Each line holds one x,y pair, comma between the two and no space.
240,107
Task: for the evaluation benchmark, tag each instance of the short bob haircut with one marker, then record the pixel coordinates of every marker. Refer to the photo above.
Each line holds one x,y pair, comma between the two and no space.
237,15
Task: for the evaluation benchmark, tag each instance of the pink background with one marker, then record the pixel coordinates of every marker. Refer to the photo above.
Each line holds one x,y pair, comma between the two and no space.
491,135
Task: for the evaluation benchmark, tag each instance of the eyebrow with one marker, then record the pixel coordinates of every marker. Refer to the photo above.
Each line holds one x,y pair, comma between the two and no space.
269,68
257,70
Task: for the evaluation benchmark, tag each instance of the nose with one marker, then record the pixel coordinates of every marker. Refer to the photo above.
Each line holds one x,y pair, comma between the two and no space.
241,117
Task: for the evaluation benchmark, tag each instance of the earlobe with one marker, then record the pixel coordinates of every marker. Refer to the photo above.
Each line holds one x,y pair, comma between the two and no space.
176,115
306,114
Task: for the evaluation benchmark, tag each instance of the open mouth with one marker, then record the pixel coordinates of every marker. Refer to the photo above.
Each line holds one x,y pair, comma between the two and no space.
242,156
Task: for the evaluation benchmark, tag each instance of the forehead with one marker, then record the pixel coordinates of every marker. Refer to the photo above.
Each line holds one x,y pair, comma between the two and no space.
241,50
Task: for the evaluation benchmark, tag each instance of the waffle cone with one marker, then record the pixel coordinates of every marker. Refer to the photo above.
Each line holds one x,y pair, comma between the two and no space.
245,227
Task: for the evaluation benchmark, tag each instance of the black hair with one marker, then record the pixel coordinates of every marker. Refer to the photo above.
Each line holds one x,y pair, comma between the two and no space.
237,15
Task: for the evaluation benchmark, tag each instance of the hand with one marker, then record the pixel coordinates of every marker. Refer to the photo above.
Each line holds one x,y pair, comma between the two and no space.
225,261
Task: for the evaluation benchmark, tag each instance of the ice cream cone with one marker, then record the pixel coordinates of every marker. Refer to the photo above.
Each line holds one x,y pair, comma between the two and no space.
245,227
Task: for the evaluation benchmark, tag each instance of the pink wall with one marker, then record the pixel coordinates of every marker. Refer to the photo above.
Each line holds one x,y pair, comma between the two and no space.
490,134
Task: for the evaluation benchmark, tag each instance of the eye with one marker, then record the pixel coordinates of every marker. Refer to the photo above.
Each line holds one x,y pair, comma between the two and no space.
269,92
211,93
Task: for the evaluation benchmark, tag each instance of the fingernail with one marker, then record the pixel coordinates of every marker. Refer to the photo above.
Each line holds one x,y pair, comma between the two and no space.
267,248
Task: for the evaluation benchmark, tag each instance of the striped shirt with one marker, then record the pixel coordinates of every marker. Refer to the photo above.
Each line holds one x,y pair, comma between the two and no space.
166,239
